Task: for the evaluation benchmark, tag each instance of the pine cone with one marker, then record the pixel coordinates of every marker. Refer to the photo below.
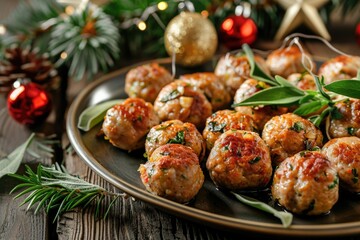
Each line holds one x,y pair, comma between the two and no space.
23,63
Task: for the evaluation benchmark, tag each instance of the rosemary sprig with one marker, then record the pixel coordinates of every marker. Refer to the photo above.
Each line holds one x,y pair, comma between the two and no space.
53,187
11,162
308,102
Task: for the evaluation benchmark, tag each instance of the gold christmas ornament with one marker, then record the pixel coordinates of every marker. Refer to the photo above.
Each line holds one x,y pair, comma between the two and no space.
192,38
302,11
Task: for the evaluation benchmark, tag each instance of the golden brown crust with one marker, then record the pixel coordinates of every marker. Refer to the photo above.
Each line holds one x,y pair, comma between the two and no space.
239,160
175,131
127,123
289,134
224,120
286,61
211,86
146,81
173,172
340,67
182,101
305,183
344,154
348,122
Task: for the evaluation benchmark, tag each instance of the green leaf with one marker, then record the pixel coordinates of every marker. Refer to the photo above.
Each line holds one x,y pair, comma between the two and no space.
93,115
278,95
310,107
348,88
11,163
179,138
256,72
285,217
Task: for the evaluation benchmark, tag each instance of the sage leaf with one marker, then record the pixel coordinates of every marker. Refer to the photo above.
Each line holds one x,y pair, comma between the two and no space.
93,115
256,72
11,162
285,217
348,88
310,107
278,95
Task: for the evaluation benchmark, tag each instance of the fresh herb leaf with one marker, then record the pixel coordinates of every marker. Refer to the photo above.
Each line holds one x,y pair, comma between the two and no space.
285,217
278,95
93,115
310,107
335,113
255,160
179,138
334,183
213,126
354,172
174,94
348,88
10,163
297,127
256,72
351,131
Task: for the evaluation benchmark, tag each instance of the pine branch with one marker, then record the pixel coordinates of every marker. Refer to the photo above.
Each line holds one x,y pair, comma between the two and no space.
89,39
54,188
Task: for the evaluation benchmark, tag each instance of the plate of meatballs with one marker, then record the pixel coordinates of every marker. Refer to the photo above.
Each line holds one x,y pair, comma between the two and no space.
181,143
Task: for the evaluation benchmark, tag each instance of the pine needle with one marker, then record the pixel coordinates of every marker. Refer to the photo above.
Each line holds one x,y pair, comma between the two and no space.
52,188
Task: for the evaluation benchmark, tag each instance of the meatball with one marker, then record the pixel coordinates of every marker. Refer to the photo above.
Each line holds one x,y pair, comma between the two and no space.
260,114
305,183
175,131
146,81
234,70
344,154
347,122
340,67
179,100
211,86
288,134
224,120
239,160
126,124
173,172
285,61
302,81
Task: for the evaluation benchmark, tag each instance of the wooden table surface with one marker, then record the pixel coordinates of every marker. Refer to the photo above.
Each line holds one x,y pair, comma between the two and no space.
129,219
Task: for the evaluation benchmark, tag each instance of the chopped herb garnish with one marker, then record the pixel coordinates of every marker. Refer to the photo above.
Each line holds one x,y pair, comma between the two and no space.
351,131
215,127
174,94
290,166
354,172
145,155
179,138
226,148
334,183
139,118
297,127
255,160
302,153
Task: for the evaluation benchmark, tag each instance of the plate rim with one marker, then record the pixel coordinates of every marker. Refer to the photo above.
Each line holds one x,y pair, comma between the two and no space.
181,210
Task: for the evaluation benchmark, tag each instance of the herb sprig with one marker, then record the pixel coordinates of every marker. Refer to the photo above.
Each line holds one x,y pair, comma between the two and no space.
11,162
308,102
53,187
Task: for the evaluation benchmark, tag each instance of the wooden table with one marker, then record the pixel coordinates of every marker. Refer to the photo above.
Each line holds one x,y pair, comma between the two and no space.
129,219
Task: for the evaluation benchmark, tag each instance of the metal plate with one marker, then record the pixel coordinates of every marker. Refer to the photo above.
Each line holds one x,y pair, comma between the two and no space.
211,206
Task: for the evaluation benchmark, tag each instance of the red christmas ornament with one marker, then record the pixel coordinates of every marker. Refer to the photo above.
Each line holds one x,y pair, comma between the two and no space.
237,30
29,103
357,33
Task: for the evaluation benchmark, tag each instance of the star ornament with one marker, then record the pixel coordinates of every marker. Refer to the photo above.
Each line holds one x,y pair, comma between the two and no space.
302,11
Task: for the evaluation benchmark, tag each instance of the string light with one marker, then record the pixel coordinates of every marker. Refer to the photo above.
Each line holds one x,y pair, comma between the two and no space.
141,25
69,10
63,55
162,6
2,29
